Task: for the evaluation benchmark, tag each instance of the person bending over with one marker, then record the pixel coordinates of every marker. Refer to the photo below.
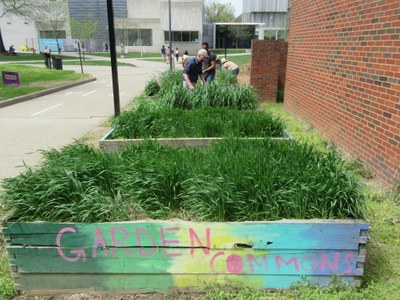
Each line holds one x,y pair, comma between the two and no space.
193,70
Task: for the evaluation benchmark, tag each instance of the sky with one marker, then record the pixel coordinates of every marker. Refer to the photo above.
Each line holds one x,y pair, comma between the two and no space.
237,5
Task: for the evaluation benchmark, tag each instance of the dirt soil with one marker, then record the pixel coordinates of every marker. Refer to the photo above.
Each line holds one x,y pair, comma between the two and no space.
244,74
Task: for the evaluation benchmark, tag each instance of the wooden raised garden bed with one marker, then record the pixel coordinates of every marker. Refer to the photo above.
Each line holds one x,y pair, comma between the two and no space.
149,256
231,181
190,128
109,144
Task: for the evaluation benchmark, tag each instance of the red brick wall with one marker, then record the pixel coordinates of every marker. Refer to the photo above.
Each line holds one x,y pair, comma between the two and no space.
343,76
268,67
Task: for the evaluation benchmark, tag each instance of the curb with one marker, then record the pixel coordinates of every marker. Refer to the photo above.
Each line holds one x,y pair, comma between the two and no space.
43,93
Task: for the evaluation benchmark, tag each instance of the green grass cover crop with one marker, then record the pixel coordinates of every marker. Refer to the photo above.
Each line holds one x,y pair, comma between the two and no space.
234,180
223,92
203,122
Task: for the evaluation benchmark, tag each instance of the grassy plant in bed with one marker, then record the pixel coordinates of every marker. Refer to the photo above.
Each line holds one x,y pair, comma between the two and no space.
225,78
232,181
169,79
203,122
211,95
152,87
223,92
75,185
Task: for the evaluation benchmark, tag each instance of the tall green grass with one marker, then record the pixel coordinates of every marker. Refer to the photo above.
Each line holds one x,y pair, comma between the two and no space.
169,79
203,122
224,77
223,92
211,95
234,180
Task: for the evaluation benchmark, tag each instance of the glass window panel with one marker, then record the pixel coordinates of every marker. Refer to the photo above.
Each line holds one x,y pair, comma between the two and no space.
177,36
185,36
194,36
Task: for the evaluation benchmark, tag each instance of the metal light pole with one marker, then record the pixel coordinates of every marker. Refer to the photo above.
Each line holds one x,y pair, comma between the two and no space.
80,56
170,35
225,38
113,54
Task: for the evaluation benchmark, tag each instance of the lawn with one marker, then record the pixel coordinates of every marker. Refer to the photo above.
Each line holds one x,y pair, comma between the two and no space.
99,63
240,59
229,51
93,62
34,79
237,59
30,57
132,54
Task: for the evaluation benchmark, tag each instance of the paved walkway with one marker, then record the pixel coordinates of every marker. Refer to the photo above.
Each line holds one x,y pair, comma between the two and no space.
55,120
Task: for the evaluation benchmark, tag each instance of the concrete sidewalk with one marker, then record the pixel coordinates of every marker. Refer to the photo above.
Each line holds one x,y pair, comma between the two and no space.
57,119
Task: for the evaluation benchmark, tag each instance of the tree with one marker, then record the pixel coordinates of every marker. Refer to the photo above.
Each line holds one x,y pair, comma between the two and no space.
84,30
53,20
18,8
241,32
219,12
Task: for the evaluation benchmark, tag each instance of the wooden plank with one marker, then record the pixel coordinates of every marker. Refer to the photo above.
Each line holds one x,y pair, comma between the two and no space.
113,145
177,254
145,283
341,235
185,260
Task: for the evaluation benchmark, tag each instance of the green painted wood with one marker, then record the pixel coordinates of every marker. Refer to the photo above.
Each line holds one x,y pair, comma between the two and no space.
146,283
133,261
335,234
159,255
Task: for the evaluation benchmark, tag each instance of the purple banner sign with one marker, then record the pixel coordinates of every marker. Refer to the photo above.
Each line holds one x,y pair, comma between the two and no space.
10,78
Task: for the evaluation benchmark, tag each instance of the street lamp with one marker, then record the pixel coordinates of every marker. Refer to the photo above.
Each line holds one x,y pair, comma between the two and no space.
113,55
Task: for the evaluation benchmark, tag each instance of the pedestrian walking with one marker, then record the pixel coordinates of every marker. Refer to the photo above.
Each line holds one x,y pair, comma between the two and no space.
177,55
163,54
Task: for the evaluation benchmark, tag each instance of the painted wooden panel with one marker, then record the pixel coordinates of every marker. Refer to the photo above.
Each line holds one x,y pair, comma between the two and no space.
158,255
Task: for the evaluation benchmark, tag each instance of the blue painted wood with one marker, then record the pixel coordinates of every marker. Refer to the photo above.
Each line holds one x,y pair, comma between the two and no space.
178,254
305,234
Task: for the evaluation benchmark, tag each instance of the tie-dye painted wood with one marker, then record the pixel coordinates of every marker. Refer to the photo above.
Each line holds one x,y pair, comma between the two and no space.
159,255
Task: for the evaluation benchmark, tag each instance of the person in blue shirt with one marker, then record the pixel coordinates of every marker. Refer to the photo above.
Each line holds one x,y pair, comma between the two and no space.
193,70
163,54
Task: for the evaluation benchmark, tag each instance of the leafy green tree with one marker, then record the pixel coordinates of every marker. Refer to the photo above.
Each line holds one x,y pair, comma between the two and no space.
53,19
219,12
18,8
84,30
240,32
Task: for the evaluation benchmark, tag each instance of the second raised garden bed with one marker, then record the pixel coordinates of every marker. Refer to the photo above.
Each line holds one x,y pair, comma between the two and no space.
191,128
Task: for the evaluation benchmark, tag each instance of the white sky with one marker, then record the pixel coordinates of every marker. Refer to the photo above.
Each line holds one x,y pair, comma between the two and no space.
237,5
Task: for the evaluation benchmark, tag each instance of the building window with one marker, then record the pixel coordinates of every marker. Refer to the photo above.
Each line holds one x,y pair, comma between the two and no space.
134,37
52,34
182,36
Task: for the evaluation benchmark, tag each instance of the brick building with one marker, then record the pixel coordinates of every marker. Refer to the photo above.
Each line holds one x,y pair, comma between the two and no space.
343,76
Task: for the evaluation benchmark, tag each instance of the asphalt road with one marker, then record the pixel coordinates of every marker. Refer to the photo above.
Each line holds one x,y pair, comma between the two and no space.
55,120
